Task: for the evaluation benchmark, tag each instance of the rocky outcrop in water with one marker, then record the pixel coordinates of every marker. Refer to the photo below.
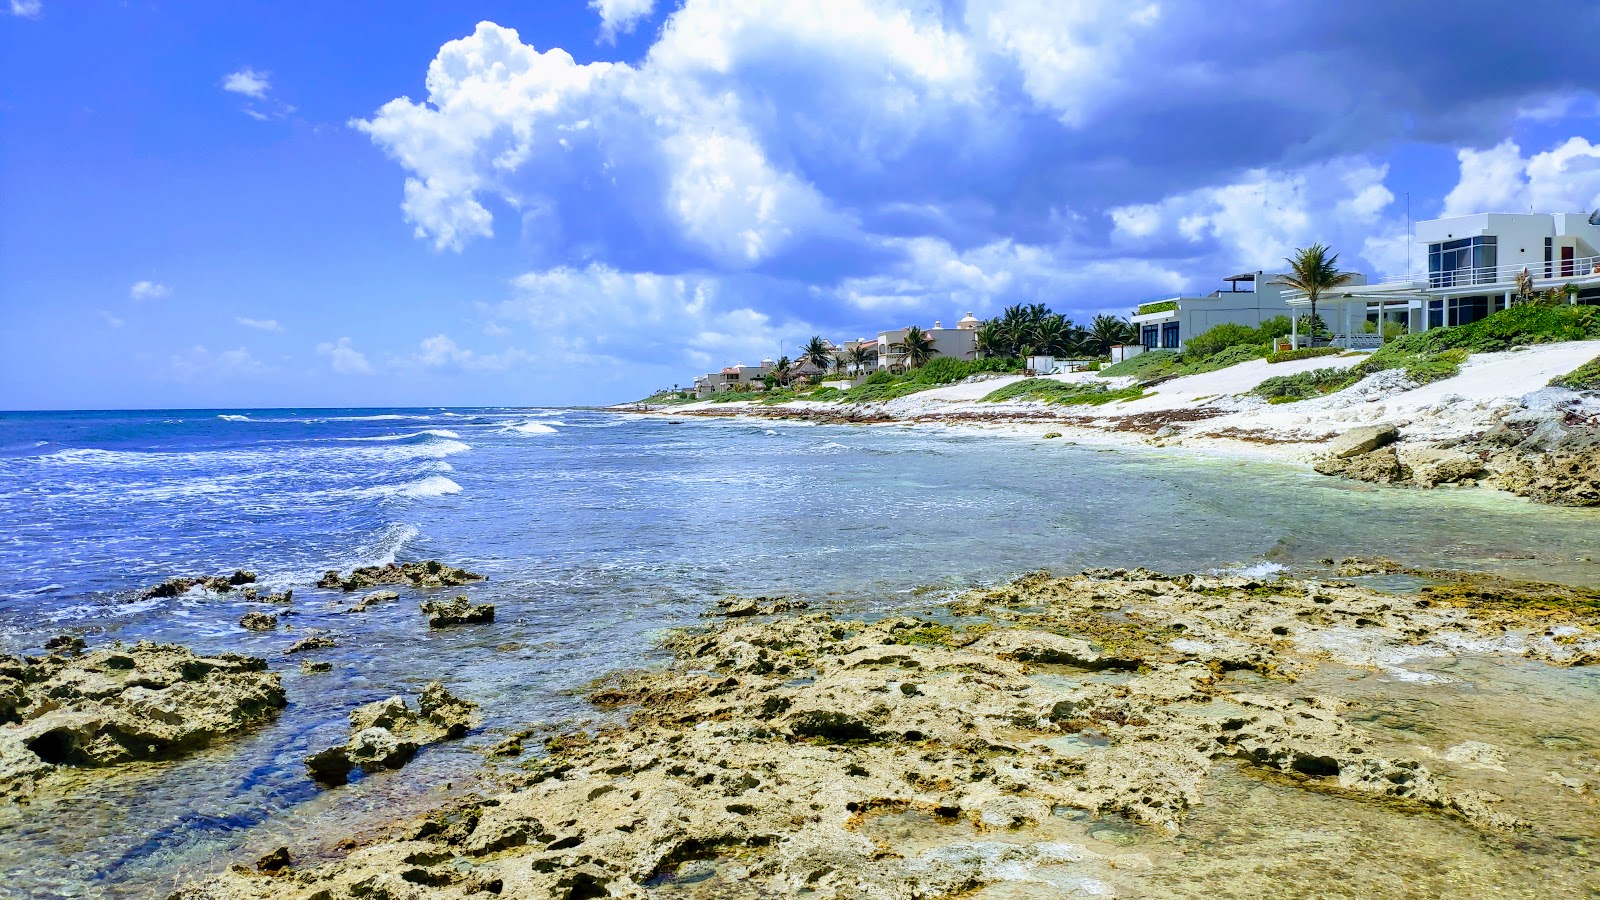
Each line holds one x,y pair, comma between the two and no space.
258,621
871,759
373,599
429,574
72,710
388,733
179,585
458,610
313,642
740,607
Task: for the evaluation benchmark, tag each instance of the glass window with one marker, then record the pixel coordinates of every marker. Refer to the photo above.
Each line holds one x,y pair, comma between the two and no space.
1169,336
1149,336
1435,313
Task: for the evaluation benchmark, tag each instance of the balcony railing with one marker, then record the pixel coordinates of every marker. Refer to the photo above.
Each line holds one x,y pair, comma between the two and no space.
1555,270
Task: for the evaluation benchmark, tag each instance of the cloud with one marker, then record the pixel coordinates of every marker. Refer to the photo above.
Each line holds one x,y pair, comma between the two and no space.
198,362
345,359
111,320
260,324
249,82
442,353
148,290
27,9
1565,178
620,16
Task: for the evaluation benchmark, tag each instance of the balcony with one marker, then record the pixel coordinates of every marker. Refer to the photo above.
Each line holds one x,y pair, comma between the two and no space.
1545,275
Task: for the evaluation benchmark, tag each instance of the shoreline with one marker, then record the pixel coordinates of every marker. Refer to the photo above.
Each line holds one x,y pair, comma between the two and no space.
1052,732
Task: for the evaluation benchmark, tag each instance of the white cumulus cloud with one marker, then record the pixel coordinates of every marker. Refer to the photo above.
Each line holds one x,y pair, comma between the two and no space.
148,290
259,324
27,9
249,82
620,16
1565,178
345,359
442,353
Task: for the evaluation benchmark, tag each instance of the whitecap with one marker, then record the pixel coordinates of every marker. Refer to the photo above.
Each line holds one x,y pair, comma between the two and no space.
427,432
832,445
1260,571
232,418
529,428
432,486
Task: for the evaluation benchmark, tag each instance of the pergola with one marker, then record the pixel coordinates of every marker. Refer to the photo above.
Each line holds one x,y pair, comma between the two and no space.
1346,299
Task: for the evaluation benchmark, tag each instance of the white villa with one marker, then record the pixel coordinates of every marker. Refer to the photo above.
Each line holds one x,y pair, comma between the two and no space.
732,378
960,342
1473,265
1249,299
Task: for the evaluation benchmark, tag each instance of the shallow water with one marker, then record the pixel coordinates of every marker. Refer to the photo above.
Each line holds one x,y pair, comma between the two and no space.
597,532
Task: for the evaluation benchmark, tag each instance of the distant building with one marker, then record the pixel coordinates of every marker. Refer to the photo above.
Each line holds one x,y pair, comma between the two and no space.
1473,265
960,342
733,378
1250,299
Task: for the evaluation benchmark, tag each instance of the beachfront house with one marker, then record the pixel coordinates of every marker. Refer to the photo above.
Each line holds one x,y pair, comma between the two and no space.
1250,298
737,377
1473,263
960,342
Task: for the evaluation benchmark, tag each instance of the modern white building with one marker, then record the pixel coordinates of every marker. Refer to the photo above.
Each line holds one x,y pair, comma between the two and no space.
1249,299
1473,265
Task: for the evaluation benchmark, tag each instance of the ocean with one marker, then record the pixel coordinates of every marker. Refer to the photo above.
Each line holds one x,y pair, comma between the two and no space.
599,531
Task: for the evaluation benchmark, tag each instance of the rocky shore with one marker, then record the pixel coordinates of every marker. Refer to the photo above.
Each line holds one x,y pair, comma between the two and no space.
1030,735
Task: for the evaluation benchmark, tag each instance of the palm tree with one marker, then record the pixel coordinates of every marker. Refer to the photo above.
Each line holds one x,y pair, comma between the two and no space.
863,356
1313,270
781,371
1106,330
1524,287
1051,336
817,353
841,361
917,346
991,339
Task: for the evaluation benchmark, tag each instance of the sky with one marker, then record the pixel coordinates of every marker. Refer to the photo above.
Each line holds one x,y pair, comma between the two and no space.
401,203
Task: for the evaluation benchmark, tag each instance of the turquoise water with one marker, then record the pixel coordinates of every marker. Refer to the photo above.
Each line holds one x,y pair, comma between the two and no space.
598,531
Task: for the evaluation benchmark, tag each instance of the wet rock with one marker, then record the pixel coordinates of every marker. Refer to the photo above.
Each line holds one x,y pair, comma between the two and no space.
121,704
315,666
259,621
178,585
1365,439
388,733
458,610
274,862
739,607
314,642
66,643
1432,467
429,574
1379,467
1568,475
373,599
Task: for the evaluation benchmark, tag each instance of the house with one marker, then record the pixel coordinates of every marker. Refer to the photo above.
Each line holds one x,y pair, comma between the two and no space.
960,342
737,377
1249,299
1473,266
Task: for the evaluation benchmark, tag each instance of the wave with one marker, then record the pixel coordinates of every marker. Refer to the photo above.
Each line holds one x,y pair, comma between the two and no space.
231,418
832,445
529,428
432,486
428,432
385,545
1260,571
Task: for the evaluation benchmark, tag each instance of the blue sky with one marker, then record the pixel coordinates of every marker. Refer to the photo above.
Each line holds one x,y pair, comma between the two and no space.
405,203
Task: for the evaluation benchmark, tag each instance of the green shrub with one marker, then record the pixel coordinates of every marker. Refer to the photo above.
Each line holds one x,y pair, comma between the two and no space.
881,386
1275,327
1584,378
825,393
1156,307
1305,385
1063,393
781,395
1147,365
1232,356
1218,338
1303,353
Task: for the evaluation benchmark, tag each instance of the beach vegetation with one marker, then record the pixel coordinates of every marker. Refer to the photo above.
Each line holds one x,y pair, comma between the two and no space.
1062,393
1218,338
1034,329
1302,353
881,386
1584,378
1313,270
1159,306
1304,385
825,393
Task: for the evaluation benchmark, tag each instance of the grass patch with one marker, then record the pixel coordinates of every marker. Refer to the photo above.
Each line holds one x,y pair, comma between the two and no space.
669,398
1304,385
1303,353
732,396
1062,393
1584,378
825,393
1162,364
1147,365
881,386
1157,307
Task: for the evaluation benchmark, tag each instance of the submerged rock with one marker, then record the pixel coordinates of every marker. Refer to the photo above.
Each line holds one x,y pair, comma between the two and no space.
179,585
429,574
388,733
458,610
314,642
373,599
259,621
121,704
315,666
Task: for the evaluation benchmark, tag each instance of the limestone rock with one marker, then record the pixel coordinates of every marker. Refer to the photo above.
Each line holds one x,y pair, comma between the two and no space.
458,610
315,666
1379,466
739,607
373,599
1431,467
386,734
1365,439
259,621
178,585
429,574
120,704
314,642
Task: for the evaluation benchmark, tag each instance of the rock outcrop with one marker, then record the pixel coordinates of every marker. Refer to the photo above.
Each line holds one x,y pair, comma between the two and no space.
116,704
772,758
313,642
178,585
1566,473
258,621
739,607
458,610
429,574
388,733
1364,439
1381,466
373,599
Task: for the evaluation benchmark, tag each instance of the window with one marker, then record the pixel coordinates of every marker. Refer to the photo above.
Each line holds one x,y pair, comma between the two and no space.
1169,335
1149,336
1464,261
1549,257
1435,313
